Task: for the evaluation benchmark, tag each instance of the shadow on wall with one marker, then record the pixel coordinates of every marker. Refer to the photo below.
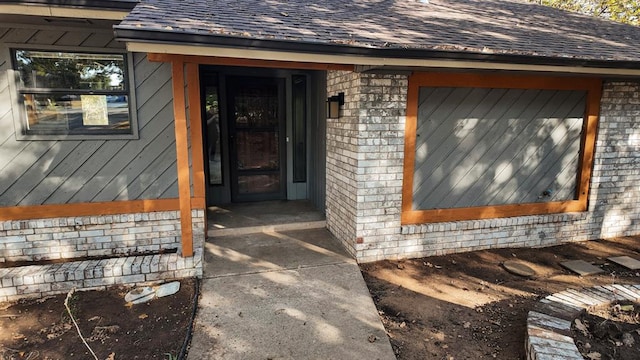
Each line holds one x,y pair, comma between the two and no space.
73,171
480,147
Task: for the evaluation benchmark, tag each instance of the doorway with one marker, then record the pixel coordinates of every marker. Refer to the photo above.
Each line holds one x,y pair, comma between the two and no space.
256,122
264,134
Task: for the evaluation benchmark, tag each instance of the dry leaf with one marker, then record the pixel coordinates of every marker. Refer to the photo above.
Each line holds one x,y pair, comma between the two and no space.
129,304
111,356
626,308
594,356
143,316
581,326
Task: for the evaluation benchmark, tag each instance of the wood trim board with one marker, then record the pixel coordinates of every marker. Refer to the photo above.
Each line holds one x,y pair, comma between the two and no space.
197,140
29,212
593,86
182,154
229,61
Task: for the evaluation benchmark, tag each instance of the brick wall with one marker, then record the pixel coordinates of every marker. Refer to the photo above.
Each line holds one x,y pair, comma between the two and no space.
67,238
342,159
376,181
74,237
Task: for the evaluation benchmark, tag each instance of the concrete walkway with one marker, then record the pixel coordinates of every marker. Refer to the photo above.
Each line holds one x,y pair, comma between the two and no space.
287,295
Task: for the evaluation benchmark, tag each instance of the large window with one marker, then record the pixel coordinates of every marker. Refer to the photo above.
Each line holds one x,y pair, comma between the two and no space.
73,93
485,146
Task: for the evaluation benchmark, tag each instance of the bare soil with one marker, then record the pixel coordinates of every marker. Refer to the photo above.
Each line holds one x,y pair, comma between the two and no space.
42,329
467,306
609,331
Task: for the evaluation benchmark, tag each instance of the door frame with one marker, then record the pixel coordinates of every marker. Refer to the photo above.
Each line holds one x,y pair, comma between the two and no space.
312,188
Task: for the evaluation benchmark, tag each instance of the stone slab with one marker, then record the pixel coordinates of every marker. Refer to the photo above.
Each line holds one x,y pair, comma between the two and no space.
518,268
626,261
581,267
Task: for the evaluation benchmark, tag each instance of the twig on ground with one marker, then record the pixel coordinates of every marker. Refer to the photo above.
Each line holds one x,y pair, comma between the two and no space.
66,305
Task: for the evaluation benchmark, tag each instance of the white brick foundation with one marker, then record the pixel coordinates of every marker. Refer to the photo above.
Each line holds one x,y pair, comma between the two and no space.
365,154
112,235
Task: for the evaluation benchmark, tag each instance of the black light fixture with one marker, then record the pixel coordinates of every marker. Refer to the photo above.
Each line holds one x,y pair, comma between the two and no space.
333,105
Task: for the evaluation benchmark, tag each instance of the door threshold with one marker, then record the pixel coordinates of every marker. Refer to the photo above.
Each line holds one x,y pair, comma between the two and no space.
218,232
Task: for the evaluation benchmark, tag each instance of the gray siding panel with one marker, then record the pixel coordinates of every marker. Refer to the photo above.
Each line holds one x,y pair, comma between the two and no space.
478,147
318,130
55,172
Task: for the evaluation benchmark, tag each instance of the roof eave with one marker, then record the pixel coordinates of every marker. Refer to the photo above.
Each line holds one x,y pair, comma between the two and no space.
290,46
122,5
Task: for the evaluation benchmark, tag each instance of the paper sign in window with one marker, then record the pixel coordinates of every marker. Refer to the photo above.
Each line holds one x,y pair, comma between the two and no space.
94,110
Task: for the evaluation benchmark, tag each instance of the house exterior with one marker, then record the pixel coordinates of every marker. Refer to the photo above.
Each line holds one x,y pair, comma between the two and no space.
462,125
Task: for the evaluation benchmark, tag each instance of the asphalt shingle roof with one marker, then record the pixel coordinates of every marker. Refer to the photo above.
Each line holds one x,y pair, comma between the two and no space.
507,27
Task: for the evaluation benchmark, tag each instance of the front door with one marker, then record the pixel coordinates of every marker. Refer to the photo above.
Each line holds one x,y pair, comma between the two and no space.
256,123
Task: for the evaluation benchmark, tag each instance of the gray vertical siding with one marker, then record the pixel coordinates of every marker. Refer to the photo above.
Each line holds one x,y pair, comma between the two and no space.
58,172
318,141
478,147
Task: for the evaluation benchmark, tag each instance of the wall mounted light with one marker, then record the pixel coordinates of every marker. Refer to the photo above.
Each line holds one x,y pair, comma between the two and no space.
333,105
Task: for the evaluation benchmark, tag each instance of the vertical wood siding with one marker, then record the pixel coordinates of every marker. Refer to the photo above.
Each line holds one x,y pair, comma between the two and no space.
478,147
58,172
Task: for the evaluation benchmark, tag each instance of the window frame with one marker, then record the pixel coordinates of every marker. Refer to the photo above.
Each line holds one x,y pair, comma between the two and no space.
19,114
593,87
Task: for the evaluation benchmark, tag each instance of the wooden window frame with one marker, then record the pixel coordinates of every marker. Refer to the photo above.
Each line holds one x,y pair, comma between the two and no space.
593,87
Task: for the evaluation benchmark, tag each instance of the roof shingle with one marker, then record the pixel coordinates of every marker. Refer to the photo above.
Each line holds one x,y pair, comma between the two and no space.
511,27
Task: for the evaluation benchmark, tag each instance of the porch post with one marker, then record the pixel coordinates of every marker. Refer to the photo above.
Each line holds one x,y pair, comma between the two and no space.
197,139
182,154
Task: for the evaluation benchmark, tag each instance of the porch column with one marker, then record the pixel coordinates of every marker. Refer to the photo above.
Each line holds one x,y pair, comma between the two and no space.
182,155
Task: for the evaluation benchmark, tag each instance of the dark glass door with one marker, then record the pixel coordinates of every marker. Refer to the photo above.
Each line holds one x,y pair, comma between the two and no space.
256,132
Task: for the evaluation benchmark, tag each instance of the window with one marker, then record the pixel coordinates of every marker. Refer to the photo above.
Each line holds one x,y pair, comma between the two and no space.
486,146
73,93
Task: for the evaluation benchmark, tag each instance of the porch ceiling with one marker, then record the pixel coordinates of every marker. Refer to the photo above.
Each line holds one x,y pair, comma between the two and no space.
504,31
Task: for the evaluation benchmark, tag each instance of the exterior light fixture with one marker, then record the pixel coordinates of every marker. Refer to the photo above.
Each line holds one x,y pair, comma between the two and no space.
333,105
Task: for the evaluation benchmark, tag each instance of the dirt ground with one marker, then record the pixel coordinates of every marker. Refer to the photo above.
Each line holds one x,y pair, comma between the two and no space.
467,306
609,331
463,306
42,329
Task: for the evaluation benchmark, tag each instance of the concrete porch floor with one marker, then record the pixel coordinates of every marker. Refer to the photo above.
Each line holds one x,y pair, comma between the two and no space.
285,295
245,218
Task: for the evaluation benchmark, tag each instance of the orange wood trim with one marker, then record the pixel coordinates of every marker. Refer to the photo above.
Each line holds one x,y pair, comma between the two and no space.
182,153
411,123
86,209
592,85
589,133
227,61
503,81
198,203
489,212
197,140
